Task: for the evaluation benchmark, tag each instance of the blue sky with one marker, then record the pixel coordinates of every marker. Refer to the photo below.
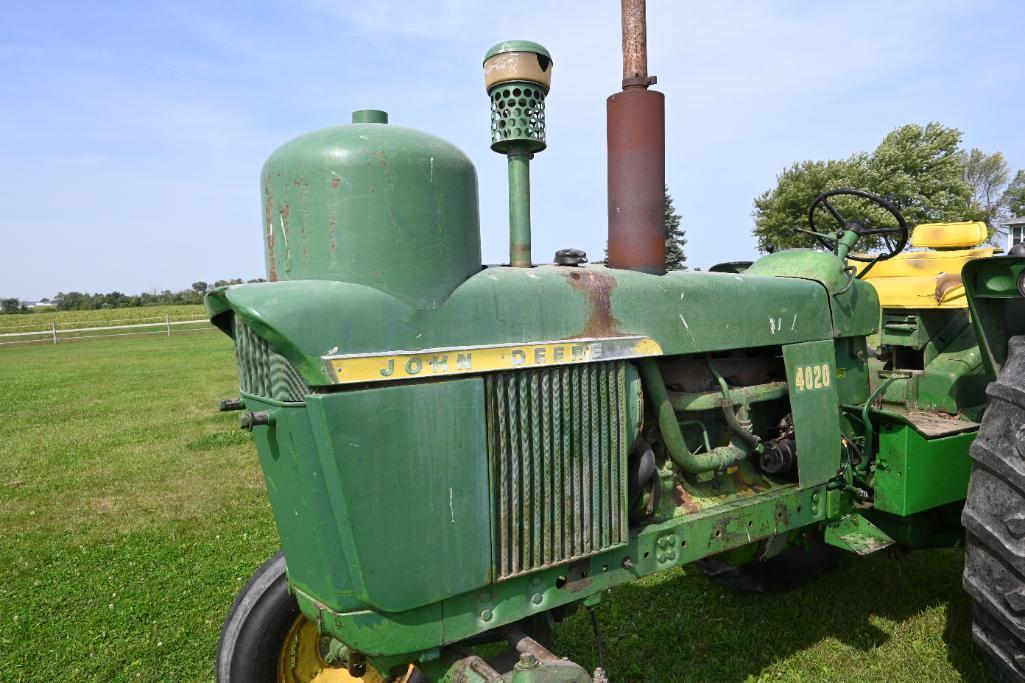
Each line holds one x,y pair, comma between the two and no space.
133,133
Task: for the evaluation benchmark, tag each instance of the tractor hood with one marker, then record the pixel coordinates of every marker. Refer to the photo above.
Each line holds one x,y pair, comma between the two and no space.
310,322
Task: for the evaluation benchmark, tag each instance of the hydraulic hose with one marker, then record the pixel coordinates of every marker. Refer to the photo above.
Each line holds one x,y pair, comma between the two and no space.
731,417
695,463
869,429
710,400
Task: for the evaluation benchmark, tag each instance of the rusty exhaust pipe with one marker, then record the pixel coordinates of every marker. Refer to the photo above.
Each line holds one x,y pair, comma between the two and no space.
636,134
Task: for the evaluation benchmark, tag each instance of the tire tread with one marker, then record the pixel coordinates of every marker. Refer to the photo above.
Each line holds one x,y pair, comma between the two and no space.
995,555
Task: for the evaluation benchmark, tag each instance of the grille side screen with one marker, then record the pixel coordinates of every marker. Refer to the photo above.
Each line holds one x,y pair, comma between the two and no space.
263,371
557,447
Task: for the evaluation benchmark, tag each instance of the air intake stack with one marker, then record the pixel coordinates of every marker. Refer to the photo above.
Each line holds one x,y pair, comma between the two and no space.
636,156
518,75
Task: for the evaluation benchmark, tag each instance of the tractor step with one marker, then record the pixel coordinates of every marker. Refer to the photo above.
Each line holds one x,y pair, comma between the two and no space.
856,534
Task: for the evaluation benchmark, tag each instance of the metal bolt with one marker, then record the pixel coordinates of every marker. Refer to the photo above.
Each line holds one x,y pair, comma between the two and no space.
228,404
486,615
628,563
249,419
527,661
537,599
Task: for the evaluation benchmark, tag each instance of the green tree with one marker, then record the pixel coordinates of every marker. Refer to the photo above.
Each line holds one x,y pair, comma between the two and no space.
779,210
918,168
200,287
675,236
987,175
1013,200
10,306
73,301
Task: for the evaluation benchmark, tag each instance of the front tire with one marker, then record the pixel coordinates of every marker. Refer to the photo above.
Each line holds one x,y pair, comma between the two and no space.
994,519
266,639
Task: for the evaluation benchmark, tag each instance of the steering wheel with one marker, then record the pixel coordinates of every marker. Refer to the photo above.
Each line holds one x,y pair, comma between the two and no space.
843,240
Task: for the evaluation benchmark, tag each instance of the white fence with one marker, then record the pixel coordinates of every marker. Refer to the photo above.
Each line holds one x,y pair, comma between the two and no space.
55,332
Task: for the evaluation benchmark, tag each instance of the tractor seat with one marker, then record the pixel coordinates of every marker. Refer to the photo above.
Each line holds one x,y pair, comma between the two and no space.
930,277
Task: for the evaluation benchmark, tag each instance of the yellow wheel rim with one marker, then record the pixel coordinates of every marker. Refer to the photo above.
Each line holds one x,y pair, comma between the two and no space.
300,660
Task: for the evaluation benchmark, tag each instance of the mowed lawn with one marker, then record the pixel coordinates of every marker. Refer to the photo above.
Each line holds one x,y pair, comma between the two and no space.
131,513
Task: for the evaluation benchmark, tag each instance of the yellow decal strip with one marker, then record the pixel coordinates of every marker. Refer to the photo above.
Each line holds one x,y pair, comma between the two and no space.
399,365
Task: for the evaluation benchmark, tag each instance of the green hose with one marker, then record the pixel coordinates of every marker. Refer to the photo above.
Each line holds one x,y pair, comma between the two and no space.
695,463
869,430
731,417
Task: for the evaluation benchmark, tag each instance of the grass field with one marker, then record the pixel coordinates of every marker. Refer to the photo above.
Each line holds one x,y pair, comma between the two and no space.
67,319
131,513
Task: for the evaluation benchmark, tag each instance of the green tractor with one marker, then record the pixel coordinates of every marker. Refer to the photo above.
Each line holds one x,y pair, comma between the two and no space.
460,455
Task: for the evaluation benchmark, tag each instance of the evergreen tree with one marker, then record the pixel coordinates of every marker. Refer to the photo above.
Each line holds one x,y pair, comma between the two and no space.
675,236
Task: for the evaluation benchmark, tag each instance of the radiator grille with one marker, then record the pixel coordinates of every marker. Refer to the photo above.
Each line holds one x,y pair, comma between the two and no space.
557,444
263,371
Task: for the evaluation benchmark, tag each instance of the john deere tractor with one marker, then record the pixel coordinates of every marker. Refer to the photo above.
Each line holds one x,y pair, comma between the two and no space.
459,454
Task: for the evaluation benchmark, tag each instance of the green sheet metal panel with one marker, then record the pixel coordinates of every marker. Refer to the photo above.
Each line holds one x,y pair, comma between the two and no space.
993,286
901,327
314,544
852,370
404,464
854,305
915,474
682,311
811,376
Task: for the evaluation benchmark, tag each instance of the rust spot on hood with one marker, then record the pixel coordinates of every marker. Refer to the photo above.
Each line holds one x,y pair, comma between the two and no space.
597,286
268,218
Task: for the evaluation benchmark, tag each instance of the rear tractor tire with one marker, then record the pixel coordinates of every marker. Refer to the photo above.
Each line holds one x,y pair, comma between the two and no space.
994,519
266,639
